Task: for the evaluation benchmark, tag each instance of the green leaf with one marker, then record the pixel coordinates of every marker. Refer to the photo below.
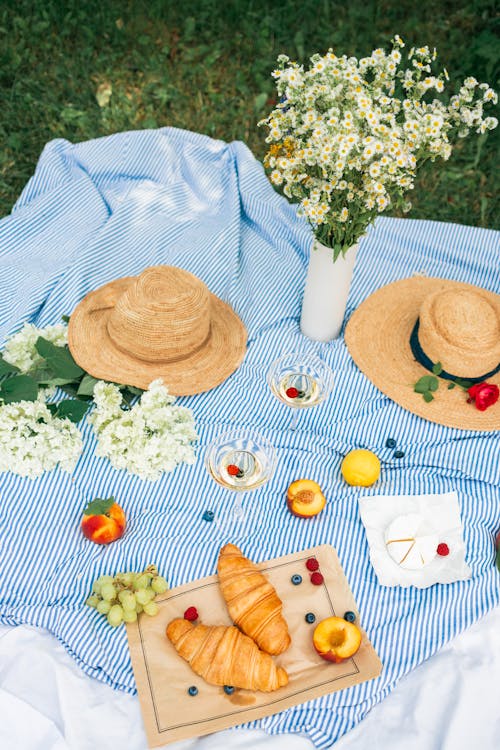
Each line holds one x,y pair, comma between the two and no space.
437,368
72,409
59,359
433,384
135,391
451,386
42,375
65,318
72,390
428,397
19,388
86,387
465,384
129,393
51,381
6,368
99,506
337,250
426,383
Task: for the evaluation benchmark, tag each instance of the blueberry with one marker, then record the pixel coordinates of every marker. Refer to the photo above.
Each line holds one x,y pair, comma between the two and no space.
296,579
310,618
390,443
349,616
399,454
228,689
208,515
193,690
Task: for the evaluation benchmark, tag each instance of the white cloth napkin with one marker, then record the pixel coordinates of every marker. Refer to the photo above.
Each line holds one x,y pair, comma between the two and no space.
441,512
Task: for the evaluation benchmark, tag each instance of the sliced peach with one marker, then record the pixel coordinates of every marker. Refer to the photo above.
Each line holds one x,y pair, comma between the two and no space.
335,639
305,499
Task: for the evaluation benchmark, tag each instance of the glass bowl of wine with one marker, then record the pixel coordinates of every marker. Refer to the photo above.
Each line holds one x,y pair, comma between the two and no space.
300,380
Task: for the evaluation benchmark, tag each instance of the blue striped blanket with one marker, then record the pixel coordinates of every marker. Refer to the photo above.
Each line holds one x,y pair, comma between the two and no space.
111,207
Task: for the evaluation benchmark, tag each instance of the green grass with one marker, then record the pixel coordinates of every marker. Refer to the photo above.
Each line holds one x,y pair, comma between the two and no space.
205,66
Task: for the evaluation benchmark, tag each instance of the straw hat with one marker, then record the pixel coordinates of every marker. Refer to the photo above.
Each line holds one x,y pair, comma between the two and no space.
165,324
400,331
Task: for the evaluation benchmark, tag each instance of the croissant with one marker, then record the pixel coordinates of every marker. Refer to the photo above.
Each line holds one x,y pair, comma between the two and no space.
252,601
222,655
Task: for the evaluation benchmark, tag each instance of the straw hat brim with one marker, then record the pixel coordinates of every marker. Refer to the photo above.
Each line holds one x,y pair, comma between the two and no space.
378,338
94,351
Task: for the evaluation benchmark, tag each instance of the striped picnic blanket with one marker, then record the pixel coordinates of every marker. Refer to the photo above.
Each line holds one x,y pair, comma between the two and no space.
111,207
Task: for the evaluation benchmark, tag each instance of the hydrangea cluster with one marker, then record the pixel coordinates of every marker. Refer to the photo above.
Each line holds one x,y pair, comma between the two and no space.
32,440
150,438
347,135
20,349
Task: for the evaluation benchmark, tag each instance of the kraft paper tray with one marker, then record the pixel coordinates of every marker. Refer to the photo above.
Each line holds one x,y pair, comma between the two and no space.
163,677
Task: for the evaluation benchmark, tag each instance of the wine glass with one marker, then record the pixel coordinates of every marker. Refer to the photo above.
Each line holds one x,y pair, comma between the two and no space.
300,380
240,460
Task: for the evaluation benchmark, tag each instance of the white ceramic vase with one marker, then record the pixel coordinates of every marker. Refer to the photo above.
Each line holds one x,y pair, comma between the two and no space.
326,292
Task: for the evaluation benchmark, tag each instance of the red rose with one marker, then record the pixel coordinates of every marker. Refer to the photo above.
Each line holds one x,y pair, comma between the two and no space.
484,395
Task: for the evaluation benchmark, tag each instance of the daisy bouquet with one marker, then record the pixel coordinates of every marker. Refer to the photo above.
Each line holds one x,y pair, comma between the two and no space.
348,135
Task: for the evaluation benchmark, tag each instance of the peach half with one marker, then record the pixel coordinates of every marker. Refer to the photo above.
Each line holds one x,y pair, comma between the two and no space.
305,499
335,639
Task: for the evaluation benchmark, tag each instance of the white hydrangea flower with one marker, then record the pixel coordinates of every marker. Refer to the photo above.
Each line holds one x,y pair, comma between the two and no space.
33,441
150,438
20,349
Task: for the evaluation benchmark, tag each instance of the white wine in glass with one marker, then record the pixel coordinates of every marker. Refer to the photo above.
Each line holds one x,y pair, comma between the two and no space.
300,381
240,460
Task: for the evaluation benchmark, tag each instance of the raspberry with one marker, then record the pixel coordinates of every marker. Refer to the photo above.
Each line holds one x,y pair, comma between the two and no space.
316,578
443,549
292,392
191,614
233,470
312,564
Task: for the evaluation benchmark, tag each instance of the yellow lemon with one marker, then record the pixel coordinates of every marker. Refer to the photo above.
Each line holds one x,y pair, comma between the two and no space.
360,468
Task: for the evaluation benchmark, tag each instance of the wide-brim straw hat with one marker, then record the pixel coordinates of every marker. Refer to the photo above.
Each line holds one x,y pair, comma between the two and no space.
402,329
164,323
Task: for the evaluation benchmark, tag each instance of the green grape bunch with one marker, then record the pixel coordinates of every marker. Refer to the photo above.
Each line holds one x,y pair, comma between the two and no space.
123,596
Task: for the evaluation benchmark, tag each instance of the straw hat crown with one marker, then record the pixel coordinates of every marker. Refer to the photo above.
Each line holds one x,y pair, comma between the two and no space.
164,316
461,329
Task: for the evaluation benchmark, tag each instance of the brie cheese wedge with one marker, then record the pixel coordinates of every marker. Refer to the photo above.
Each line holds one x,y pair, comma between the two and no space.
411,542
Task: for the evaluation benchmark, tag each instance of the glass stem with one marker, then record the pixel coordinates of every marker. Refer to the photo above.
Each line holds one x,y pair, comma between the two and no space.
294,419
238,507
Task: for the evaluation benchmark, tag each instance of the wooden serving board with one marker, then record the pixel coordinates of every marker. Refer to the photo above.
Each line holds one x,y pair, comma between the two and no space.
163,677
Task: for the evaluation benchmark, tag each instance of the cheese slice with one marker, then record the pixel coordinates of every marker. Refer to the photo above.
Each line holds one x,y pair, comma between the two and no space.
411,542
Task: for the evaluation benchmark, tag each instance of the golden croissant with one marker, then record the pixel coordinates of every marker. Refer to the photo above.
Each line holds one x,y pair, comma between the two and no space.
252,601
222,655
